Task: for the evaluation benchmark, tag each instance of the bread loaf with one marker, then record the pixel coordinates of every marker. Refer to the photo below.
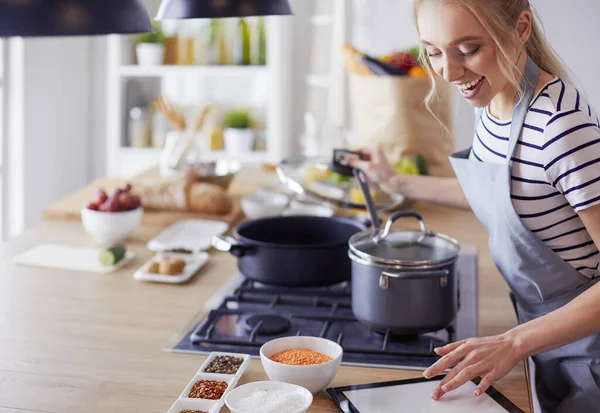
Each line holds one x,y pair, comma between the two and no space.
181,195
169,195
208,199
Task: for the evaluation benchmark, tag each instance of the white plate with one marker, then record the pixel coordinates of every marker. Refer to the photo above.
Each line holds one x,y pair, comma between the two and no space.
192,234
193,263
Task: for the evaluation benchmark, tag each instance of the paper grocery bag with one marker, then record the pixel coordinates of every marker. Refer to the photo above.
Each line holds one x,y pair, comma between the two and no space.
390,111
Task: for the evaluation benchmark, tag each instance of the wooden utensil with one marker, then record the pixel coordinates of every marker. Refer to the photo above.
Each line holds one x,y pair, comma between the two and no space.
175,119
188,142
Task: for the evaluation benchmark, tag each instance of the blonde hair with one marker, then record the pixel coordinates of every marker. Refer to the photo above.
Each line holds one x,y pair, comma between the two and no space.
499,19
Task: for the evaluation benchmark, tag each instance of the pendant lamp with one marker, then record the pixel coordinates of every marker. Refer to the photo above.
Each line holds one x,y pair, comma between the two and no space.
28,18
197,9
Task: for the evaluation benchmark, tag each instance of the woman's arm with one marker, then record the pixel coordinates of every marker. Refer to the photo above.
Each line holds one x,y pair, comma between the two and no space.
441,191
436,190
491,358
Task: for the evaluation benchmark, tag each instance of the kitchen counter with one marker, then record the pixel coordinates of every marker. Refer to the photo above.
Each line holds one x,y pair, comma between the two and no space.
73,342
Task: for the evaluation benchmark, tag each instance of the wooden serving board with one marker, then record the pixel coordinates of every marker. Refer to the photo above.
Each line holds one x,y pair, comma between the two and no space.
69,208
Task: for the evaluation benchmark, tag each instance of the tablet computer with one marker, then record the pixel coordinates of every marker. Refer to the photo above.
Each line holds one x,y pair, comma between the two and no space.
413,395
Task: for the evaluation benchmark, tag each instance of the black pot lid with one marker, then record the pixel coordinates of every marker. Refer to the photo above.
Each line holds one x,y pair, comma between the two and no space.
404,247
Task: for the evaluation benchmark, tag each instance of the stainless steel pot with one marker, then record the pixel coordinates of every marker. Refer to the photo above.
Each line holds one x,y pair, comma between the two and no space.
404,280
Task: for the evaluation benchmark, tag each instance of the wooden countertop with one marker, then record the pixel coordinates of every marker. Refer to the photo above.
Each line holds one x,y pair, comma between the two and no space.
73,342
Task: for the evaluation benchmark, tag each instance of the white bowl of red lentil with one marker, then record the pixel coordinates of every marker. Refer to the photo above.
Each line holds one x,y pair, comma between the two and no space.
310,362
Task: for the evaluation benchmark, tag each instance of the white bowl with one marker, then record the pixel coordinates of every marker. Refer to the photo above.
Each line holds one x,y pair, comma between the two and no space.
109,227
263,204
305,208
233,397
314,377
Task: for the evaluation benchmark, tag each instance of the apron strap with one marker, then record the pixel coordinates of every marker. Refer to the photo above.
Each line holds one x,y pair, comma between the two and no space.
528,83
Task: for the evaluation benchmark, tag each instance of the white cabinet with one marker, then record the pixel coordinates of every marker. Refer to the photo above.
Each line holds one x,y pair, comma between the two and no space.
266,89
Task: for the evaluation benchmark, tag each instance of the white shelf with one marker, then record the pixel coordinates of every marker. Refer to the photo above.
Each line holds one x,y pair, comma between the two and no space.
267,88
154,153
160,71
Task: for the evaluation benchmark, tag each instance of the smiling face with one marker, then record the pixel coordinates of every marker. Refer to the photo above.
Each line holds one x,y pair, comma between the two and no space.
461,51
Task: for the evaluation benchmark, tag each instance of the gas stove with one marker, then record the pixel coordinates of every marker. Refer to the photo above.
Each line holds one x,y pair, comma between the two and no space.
252,314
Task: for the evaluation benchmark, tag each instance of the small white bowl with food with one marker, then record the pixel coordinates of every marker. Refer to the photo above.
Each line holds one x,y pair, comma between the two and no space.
310,362
269,397
263,204
110,219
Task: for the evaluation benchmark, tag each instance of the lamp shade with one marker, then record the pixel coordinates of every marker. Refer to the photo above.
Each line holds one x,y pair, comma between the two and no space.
196,9
28,18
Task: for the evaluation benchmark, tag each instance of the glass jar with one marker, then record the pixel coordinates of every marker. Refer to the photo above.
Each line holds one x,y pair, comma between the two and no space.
139,128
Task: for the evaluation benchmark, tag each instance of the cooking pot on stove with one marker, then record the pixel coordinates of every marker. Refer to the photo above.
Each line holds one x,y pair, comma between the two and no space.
293,251
404,280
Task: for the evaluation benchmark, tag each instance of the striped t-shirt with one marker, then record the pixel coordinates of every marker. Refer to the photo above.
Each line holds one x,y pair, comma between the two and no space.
556,169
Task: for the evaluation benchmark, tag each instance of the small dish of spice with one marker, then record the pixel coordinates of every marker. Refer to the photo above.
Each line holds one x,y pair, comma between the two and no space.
224,365
228,364
194,406
269,397
208,389
310,362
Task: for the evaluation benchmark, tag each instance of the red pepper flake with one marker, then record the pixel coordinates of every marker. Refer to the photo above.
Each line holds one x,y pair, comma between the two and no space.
208,389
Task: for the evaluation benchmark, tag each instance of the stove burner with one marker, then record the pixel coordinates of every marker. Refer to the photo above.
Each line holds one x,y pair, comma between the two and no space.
267,324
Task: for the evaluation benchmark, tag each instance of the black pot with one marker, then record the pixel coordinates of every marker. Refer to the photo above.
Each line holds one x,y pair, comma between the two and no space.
294,250
402,280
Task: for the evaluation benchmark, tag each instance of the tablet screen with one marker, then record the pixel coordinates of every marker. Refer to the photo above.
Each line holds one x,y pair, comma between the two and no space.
413,396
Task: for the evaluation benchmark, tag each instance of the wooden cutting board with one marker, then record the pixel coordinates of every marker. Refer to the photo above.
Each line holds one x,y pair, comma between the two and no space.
68,257
69,208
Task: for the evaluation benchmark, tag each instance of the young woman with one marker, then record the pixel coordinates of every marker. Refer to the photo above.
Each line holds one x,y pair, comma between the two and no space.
532,177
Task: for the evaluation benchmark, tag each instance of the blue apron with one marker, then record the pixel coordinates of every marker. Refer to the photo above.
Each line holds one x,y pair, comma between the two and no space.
567,380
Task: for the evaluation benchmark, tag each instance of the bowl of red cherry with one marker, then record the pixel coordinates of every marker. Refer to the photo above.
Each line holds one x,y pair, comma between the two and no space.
111,218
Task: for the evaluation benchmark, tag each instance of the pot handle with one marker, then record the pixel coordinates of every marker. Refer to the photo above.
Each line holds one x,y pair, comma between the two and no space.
413,275
228,244
394,217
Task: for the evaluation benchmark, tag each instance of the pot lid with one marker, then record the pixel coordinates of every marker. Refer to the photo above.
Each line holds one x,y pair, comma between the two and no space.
404,247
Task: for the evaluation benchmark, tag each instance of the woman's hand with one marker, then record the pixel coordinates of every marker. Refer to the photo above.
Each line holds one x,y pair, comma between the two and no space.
490,358
376,166
442,191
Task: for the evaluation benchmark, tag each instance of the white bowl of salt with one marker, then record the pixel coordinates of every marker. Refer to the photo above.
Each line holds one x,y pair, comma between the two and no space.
269,397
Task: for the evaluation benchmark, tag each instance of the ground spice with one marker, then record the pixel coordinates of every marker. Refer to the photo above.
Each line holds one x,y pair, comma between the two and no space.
300,357
224,365
208,389
192,411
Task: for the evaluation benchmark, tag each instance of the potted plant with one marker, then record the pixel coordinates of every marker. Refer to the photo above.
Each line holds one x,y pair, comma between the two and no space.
238,134
150,49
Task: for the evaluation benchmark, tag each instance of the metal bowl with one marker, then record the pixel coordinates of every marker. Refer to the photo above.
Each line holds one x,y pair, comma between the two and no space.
220,172
292,172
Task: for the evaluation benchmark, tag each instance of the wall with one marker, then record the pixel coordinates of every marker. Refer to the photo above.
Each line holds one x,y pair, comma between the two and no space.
384,25
57,121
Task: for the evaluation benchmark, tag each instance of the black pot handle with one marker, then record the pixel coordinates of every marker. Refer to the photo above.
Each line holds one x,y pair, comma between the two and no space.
413,275
396,216
228,244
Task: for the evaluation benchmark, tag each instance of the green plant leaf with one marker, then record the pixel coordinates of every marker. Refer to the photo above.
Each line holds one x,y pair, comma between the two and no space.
157,36
238,119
